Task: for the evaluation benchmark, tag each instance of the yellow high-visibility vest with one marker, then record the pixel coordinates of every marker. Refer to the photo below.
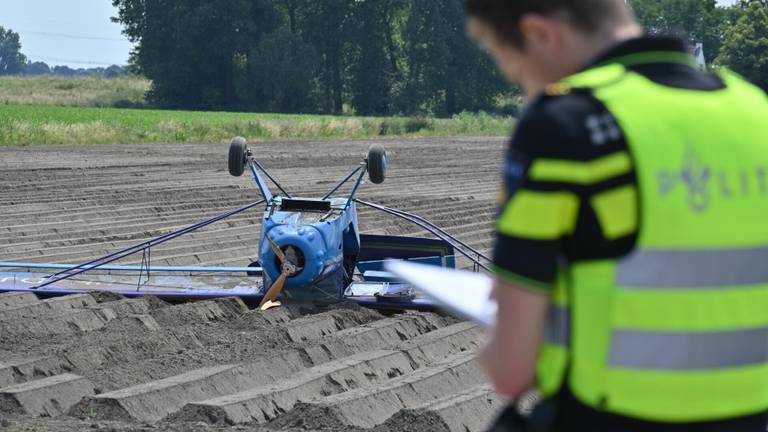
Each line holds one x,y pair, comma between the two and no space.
677,331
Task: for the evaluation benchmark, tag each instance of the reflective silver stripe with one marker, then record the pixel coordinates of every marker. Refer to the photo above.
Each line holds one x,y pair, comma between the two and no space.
703,350
558,328
692,268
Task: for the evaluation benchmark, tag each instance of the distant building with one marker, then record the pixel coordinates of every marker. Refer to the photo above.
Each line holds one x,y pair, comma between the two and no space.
698,53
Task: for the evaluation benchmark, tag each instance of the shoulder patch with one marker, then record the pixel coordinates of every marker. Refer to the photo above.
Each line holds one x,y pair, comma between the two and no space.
557,89
514,174
602,129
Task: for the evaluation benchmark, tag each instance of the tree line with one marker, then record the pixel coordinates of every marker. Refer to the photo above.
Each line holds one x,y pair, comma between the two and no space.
38,68
369,57
14,62
372,57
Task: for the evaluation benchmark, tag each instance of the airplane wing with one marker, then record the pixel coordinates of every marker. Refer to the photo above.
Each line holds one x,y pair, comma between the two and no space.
168,283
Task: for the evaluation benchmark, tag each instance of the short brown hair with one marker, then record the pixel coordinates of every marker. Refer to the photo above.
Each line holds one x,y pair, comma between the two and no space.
587,15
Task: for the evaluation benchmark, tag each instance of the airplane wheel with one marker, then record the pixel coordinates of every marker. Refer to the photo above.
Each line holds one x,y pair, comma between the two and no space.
377,164
237,160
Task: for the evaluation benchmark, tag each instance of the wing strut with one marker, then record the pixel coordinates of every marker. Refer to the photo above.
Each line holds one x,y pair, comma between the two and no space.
470,253
98,262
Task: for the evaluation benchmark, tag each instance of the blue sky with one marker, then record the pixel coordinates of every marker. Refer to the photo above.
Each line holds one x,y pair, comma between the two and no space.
76,33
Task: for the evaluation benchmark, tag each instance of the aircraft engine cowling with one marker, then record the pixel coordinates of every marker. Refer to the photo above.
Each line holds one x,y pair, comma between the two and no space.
305,246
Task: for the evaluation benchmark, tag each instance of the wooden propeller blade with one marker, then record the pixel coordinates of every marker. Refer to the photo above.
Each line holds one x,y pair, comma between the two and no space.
274,292
276,249
270,304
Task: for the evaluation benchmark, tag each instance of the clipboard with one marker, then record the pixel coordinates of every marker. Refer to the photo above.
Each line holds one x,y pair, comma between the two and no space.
462,293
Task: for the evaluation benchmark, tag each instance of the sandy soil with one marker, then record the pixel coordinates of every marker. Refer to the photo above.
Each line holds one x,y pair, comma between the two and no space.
102,362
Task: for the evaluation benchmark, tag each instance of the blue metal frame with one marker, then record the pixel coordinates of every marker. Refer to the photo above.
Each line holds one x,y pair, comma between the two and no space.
359,181
199,292
263,187
45,266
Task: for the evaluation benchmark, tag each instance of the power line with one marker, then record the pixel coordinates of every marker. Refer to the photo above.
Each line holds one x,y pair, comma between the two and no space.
71,36
34,57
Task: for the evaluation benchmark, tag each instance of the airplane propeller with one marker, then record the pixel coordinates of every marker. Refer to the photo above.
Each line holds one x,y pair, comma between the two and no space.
288,266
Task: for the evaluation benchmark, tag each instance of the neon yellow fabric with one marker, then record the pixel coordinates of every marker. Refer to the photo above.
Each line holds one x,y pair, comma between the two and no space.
691,143
701,159
738,388
551,368
583,173
631,309
616,211
539,215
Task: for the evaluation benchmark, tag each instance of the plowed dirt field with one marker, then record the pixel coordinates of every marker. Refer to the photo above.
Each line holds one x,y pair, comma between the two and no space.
102,362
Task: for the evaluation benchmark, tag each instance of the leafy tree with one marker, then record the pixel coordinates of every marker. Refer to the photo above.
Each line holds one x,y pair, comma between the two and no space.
427,53
64,71
326,25
114,71
447,74
194,50
746,44
472,81
281,75
694,20
369,56
37,68
372,71
12,61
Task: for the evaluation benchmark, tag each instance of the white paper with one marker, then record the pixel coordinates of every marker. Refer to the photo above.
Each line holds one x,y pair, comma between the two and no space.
463,293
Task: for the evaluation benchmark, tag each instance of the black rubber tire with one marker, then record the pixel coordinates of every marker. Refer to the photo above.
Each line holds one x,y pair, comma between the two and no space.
377,164
237,149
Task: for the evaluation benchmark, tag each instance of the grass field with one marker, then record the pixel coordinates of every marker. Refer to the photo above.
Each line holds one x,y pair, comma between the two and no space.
126,92
55,110
27,124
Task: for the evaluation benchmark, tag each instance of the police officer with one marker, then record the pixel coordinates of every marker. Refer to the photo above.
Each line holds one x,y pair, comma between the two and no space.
632,245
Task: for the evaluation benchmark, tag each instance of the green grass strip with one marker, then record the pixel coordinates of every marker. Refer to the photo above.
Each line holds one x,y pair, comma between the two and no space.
29,124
